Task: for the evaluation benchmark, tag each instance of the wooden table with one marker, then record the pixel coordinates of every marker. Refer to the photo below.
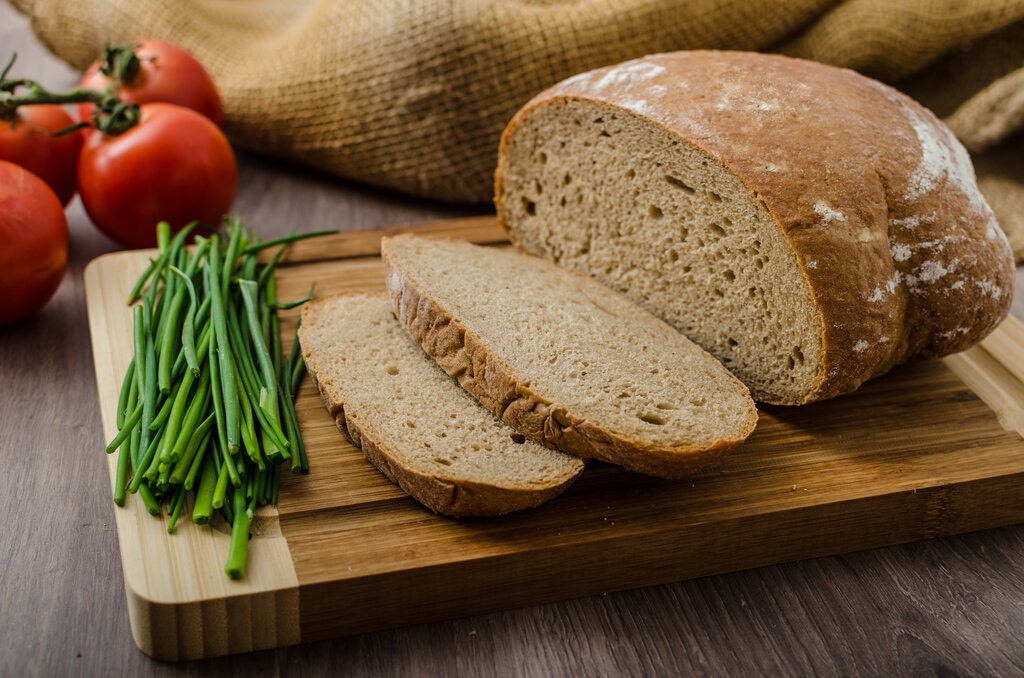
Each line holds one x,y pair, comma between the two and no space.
949,605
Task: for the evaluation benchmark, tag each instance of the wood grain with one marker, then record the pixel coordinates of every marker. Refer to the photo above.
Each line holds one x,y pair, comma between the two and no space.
347,552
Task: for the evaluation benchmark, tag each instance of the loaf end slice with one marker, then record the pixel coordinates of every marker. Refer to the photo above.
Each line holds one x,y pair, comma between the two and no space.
564,360
414,423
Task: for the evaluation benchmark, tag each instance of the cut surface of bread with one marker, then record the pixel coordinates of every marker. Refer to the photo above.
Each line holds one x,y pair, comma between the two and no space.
414,423
686,238
806,225
564,360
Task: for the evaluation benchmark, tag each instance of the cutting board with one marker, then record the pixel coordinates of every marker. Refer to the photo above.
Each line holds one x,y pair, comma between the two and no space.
931,449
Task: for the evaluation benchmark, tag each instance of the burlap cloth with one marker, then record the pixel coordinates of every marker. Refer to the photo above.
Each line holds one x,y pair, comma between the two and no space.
413,94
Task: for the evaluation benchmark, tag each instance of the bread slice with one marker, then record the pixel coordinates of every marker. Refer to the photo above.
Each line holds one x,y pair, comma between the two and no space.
564,360
414,423
808,226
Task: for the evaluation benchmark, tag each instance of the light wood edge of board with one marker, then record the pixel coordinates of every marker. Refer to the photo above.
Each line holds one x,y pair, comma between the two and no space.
181,604
994,370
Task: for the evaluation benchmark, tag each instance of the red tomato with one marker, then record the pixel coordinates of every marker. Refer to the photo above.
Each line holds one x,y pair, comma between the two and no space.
174,166
168,74
33,243
27,141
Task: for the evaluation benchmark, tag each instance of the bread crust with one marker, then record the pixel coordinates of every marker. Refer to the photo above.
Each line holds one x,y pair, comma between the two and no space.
877,200
464,356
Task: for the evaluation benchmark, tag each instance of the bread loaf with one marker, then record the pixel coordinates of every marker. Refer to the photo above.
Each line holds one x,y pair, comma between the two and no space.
414,423
564,360
808,226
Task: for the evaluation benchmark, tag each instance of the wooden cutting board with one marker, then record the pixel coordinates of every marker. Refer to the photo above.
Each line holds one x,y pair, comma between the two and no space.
928,450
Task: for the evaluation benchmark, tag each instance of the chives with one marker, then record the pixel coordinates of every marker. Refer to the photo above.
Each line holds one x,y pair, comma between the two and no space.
207,379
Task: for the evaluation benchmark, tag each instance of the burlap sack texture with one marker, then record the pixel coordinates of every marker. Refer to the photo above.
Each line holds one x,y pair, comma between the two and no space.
413,94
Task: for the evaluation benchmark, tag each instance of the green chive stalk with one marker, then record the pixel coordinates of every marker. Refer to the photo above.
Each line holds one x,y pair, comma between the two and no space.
209,379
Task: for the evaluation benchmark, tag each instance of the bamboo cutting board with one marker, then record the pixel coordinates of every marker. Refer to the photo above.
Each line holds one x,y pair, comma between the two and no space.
928,450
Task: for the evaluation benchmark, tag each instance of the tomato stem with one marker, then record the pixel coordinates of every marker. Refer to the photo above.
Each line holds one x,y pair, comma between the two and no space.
112,116
7,68
120,64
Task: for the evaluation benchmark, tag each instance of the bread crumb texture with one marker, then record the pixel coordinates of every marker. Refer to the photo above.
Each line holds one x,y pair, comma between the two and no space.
414,423
808,226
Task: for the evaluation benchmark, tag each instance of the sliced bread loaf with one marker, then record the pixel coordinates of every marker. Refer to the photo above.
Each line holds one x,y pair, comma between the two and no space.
564,360
414,423
808,226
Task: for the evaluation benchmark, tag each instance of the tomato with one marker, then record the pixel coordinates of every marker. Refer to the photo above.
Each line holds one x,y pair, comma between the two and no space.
167,74
27,141
33,243
174,166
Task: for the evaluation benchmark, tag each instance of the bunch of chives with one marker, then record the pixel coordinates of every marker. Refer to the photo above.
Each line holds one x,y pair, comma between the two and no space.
207,403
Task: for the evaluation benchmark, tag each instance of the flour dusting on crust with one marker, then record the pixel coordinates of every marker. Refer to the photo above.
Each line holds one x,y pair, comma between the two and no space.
827,214
942,156
628,73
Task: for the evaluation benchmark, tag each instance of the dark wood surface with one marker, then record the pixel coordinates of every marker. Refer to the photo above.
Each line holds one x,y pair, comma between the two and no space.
943,607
